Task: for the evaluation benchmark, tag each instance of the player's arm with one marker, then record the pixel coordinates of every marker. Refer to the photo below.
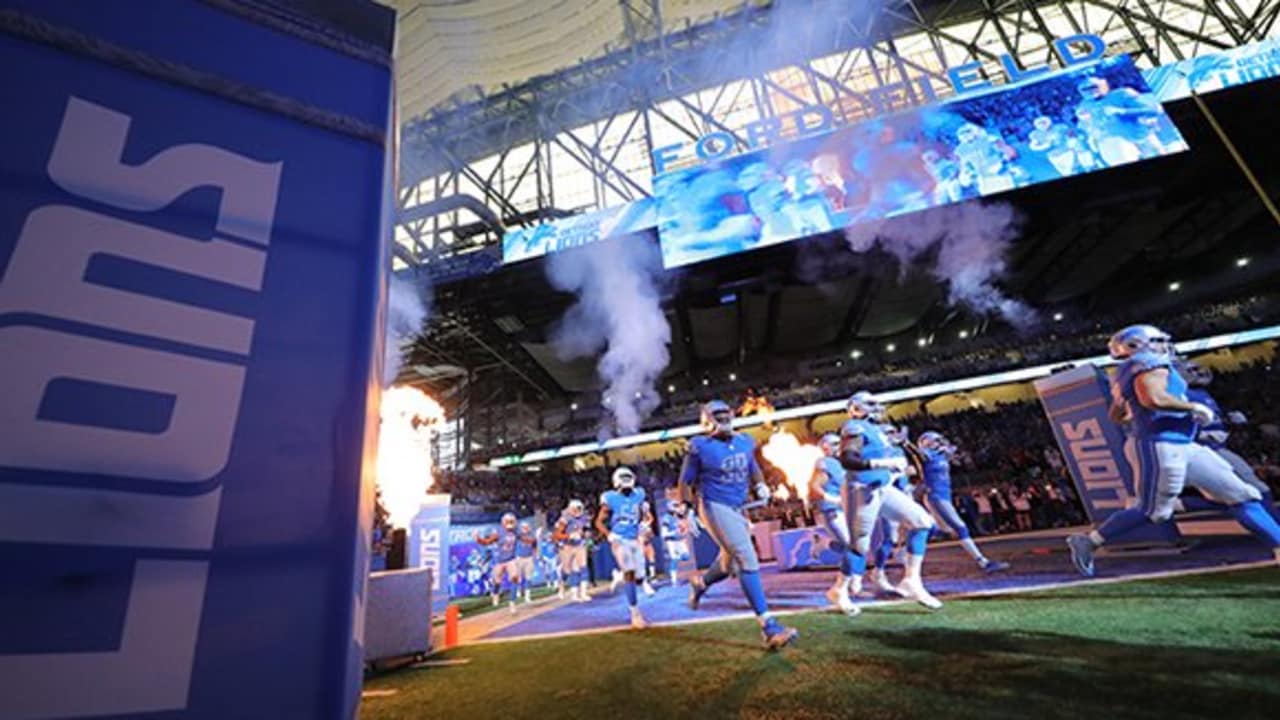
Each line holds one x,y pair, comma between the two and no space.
1151,387
757,480
689,474
489,539
818,484
558,532
646,515
602,520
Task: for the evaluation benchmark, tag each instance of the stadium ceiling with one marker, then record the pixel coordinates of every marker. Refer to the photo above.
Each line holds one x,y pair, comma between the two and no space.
451,52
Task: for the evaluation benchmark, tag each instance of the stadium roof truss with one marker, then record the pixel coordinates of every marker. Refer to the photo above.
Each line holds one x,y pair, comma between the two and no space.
582,138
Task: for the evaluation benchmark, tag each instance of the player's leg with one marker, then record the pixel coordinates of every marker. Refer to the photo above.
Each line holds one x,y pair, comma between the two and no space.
646,548
1245,472
566,579
882,540
1160,472
720,569
731,527
838,527
862,509
901,508
946,512
675,553
580,566
1212,474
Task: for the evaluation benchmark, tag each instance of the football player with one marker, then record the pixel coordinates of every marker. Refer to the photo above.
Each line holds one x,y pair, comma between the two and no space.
570,532
871,458
526,550
936,452
1150,396
824,497
622,511
505,568
718,472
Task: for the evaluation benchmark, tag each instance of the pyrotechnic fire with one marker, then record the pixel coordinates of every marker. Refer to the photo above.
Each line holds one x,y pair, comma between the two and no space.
785,452
409,417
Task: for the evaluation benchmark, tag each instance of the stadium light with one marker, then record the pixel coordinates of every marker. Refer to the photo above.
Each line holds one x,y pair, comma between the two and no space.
671,388
1057,317
921,342
964,334
705,382
855,354
1175,286
1242,262
890,347
733,377
573,406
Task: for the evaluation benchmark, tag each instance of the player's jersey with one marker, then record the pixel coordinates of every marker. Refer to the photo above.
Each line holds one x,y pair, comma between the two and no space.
574,527
721,470
830,497
1214,434
1173,426
669,526
526,546
1123,113
937,474
505,549
625,512
875,445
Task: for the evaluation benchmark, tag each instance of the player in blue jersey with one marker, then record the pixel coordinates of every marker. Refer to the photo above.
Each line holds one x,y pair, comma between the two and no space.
623,510
1122,121
718,473
1214,435
935,456
677,526
887,537
505,541
871,457
825,487
526,550
570,533
1150,397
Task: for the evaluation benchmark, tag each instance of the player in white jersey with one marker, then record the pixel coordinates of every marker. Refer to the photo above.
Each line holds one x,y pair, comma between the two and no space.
570,533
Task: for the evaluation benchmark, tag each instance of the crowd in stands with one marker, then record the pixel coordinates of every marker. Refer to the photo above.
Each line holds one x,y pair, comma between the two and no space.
1061,341
1008,474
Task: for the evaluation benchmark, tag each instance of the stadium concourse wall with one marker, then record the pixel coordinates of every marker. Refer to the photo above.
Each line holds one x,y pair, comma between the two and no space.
983,392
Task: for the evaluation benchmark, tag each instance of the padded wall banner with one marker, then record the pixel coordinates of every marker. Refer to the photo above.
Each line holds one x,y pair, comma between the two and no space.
191,262
1076,403
1080,120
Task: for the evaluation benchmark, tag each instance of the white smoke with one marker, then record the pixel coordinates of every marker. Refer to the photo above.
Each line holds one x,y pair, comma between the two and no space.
972,240
619,311
407,308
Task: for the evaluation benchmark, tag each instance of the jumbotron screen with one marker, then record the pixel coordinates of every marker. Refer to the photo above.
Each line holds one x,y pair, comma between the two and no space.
1075,121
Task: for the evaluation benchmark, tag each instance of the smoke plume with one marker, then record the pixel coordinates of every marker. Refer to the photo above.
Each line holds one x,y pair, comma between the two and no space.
407,308
971,238
619,312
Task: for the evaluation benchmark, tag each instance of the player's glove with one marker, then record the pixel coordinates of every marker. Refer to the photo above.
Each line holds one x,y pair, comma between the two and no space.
1217,437
1201,413
889,463
762,492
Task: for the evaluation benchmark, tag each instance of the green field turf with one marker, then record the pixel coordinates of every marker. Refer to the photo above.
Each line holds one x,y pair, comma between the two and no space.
481,604
1192,647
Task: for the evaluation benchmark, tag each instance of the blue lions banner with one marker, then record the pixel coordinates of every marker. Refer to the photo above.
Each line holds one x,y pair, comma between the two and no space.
1076,403
1215,71
804,548
428,545
192,261
578,230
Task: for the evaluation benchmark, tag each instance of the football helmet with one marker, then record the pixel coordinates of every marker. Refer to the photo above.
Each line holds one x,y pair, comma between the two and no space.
863,404
1140,338
717,418
623,478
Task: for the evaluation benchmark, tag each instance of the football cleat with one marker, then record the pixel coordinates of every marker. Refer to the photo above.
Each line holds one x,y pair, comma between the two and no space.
777,635
1081,553
697,588
913,589
995,566
637,619
841,601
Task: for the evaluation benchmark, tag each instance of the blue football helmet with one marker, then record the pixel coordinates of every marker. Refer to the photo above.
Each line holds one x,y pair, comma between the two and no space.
1140,338
509,521
863,404
830,444
717,418
1197,375
933,440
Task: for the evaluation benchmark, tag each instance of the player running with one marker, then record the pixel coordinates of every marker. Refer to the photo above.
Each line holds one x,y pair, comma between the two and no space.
506,539
870,457
824,497
936,452
1150,396
570,531
526,550
622,511
717,473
